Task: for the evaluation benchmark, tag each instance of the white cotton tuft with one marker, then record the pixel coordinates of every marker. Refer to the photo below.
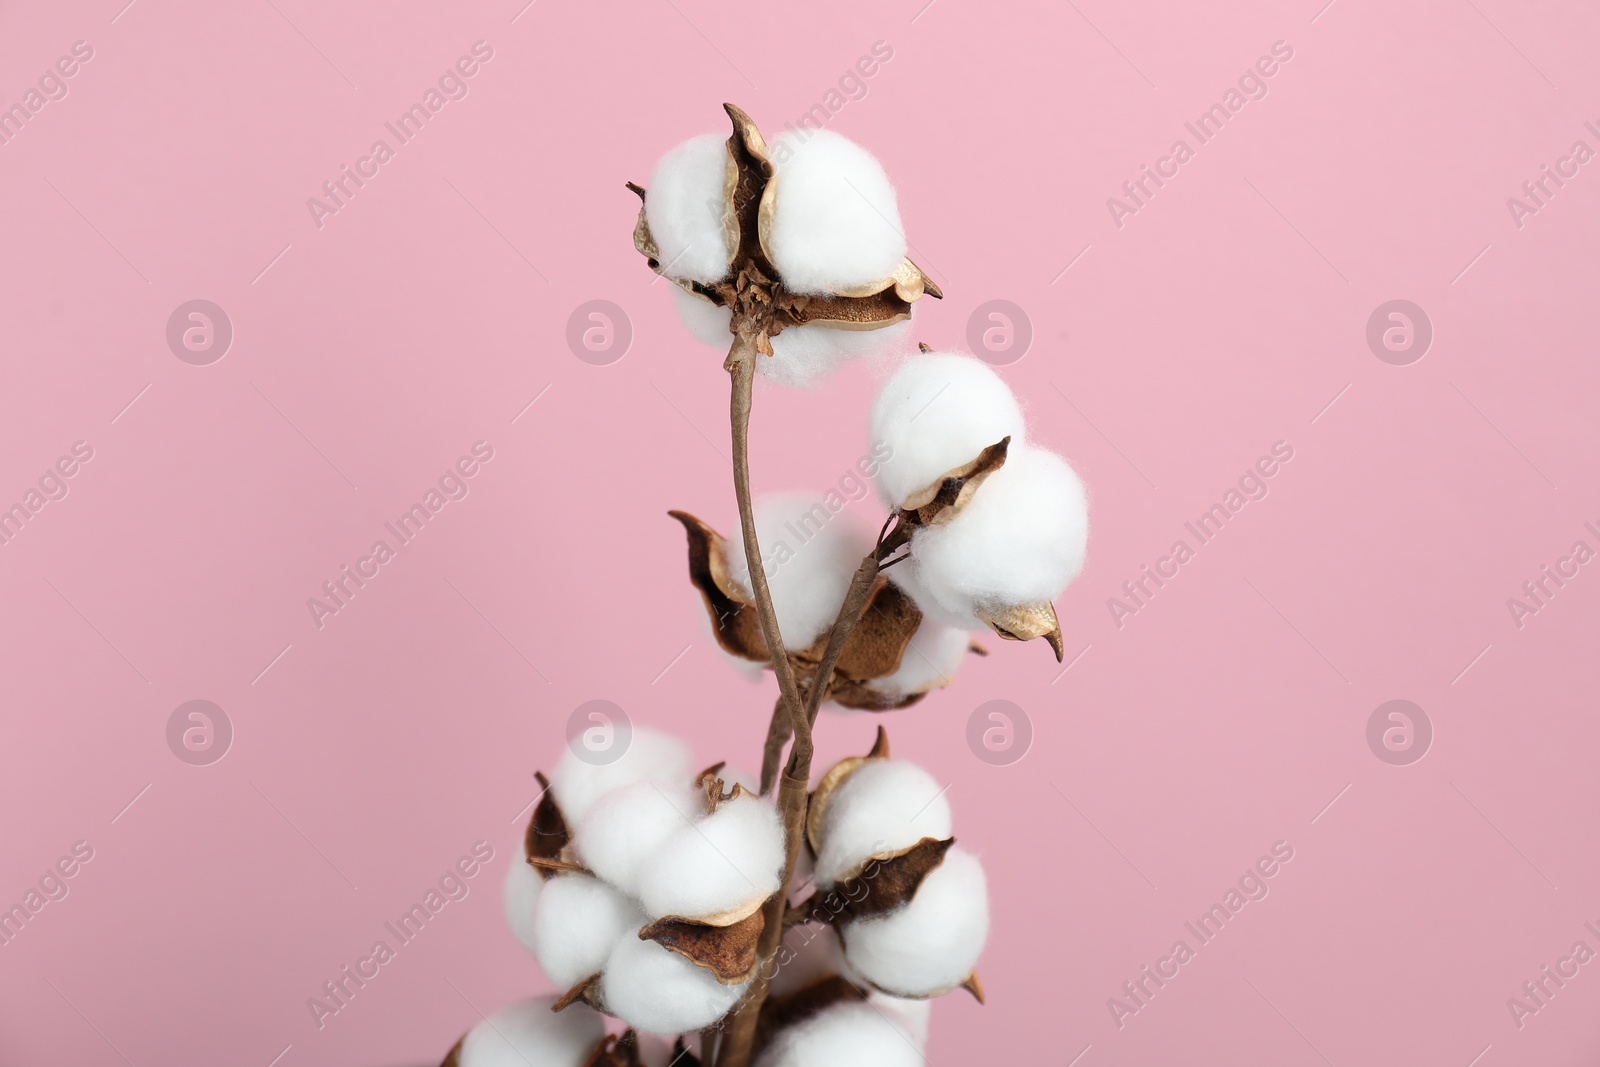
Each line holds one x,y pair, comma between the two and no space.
519,895
577,921
727,859
683,206
931,945
802,356
578,783
627,825
937,413
527,1031
909,1016
930,660
835,221
846,1034
657,991
1019,540
883,806
810,554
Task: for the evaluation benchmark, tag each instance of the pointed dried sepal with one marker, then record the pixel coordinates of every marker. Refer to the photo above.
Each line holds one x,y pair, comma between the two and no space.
943,500
975,987
884,885
1025,622
779,1012
453,1057
587,991
547,834
734,622
835,776
729,952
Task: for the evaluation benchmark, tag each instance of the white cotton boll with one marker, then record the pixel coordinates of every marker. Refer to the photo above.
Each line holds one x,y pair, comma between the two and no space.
932,944
657,991
883,806
577,783
931,658
527,1031
706,322
519,896
835,221
729,858
683,207
937,413
1019,540
627,825
577,921
810,554
846,1034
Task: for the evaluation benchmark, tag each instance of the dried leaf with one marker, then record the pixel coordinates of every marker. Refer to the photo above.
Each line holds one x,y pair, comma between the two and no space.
547,832
587,991
800,1005
729,951
1025,622
734,622
943,500
883,885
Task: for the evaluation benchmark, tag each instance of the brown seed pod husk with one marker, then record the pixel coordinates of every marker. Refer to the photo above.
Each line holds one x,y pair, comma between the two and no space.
728,951
884,885
1025,622
587,991
734,621
547,835
831,780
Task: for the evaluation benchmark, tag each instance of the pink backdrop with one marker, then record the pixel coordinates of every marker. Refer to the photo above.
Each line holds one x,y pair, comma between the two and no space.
1172,345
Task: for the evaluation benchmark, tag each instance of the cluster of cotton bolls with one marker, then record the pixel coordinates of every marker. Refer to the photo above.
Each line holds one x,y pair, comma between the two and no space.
1020,539
834,227
646,844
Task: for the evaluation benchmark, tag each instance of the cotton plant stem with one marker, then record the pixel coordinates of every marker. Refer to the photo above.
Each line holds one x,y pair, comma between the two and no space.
844,625
772,756
738,1041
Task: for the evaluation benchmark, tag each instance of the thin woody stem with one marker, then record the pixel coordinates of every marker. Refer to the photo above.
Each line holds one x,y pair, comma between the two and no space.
844,624
772,757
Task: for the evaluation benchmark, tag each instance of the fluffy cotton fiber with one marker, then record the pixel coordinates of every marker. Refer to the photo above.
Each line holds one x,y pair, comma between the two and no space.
847,1034
683,206
931,658
1019,540
810,555
519,895
802,356
727,859
884,806
657,991
527,1031
575,924
932,944
835,223
626,826
577,783
936,413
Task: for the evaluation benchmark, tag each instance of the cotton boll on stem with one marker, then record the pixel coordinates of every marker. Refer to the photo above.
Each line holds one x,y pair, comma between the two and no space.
937,413
835,221
722,864
657,991
683,207
1020,539
882,808
519,896
575,924
577,783
930,945
627,825
810,553
527,1031
847,1034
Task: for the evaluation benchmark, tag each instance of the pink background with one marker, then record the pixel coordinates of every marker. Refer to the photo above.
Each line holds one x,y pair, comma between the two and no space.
368,354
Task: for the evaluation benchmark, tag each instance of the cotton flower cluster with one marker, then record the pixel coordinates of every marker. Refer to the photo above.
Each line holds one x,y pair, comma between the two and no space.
1011,548
641,843
877,818
829,224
